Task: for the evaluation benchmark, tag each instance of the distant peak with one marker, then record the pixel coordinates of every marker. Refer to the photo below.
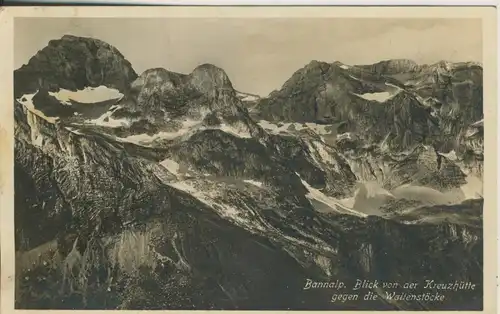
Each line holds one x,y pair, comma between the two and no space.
393,66
208,78
161,73
316,63
72,37
154,78
208,67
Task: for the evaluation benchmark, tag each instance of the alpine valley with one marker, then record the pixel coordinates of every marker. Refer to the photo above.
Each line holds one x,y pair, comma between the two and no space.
174,191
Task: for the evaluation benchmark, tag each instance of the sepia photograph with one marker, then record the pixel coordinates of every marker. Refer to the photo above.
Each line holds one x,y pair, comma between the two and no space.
257,163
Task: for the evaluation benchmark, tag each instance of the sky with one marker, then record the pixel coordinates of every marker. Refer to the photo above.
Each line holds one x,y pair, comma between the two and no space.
260,54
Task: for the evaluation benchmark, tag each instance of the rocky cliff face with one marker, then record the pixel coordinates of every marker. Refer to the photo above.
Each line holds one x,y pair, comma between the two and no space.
168,193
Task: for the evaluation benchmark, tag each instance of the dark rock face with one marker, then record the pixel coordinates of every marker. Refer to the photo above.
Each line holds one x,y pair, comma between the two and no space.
221,213
74,63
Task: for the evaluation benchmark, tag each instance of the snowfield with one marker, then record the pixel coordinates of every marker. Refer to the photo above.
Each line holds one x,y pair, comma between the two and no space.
88,95
171,165
379,97
238,131
320,129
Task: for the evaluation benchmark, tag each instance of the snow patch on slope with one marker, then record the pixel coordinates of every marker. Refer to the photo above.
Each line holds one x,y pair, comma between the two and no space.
171,165
479,123
427,195
355,78
256,183
392,85
473,189
379,97
344,136
320,129
283,127
74,130
238,131
331,202
87,95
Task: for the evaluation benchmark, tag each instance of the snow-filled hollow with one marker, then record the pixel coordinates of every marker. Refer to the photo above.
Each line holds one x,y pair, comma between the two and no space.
171,165
88,95
379,97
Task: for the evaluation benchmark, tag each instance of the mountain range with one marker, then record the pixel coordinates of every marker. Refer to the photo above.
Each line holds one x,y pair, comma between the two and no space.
167,190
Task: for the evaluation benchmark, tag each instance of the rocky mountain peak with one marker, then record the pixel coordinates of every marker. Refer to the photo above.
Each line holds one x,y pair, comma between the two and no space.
158,77
170,194
394,66
156,83
74,63
210,79
314,67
